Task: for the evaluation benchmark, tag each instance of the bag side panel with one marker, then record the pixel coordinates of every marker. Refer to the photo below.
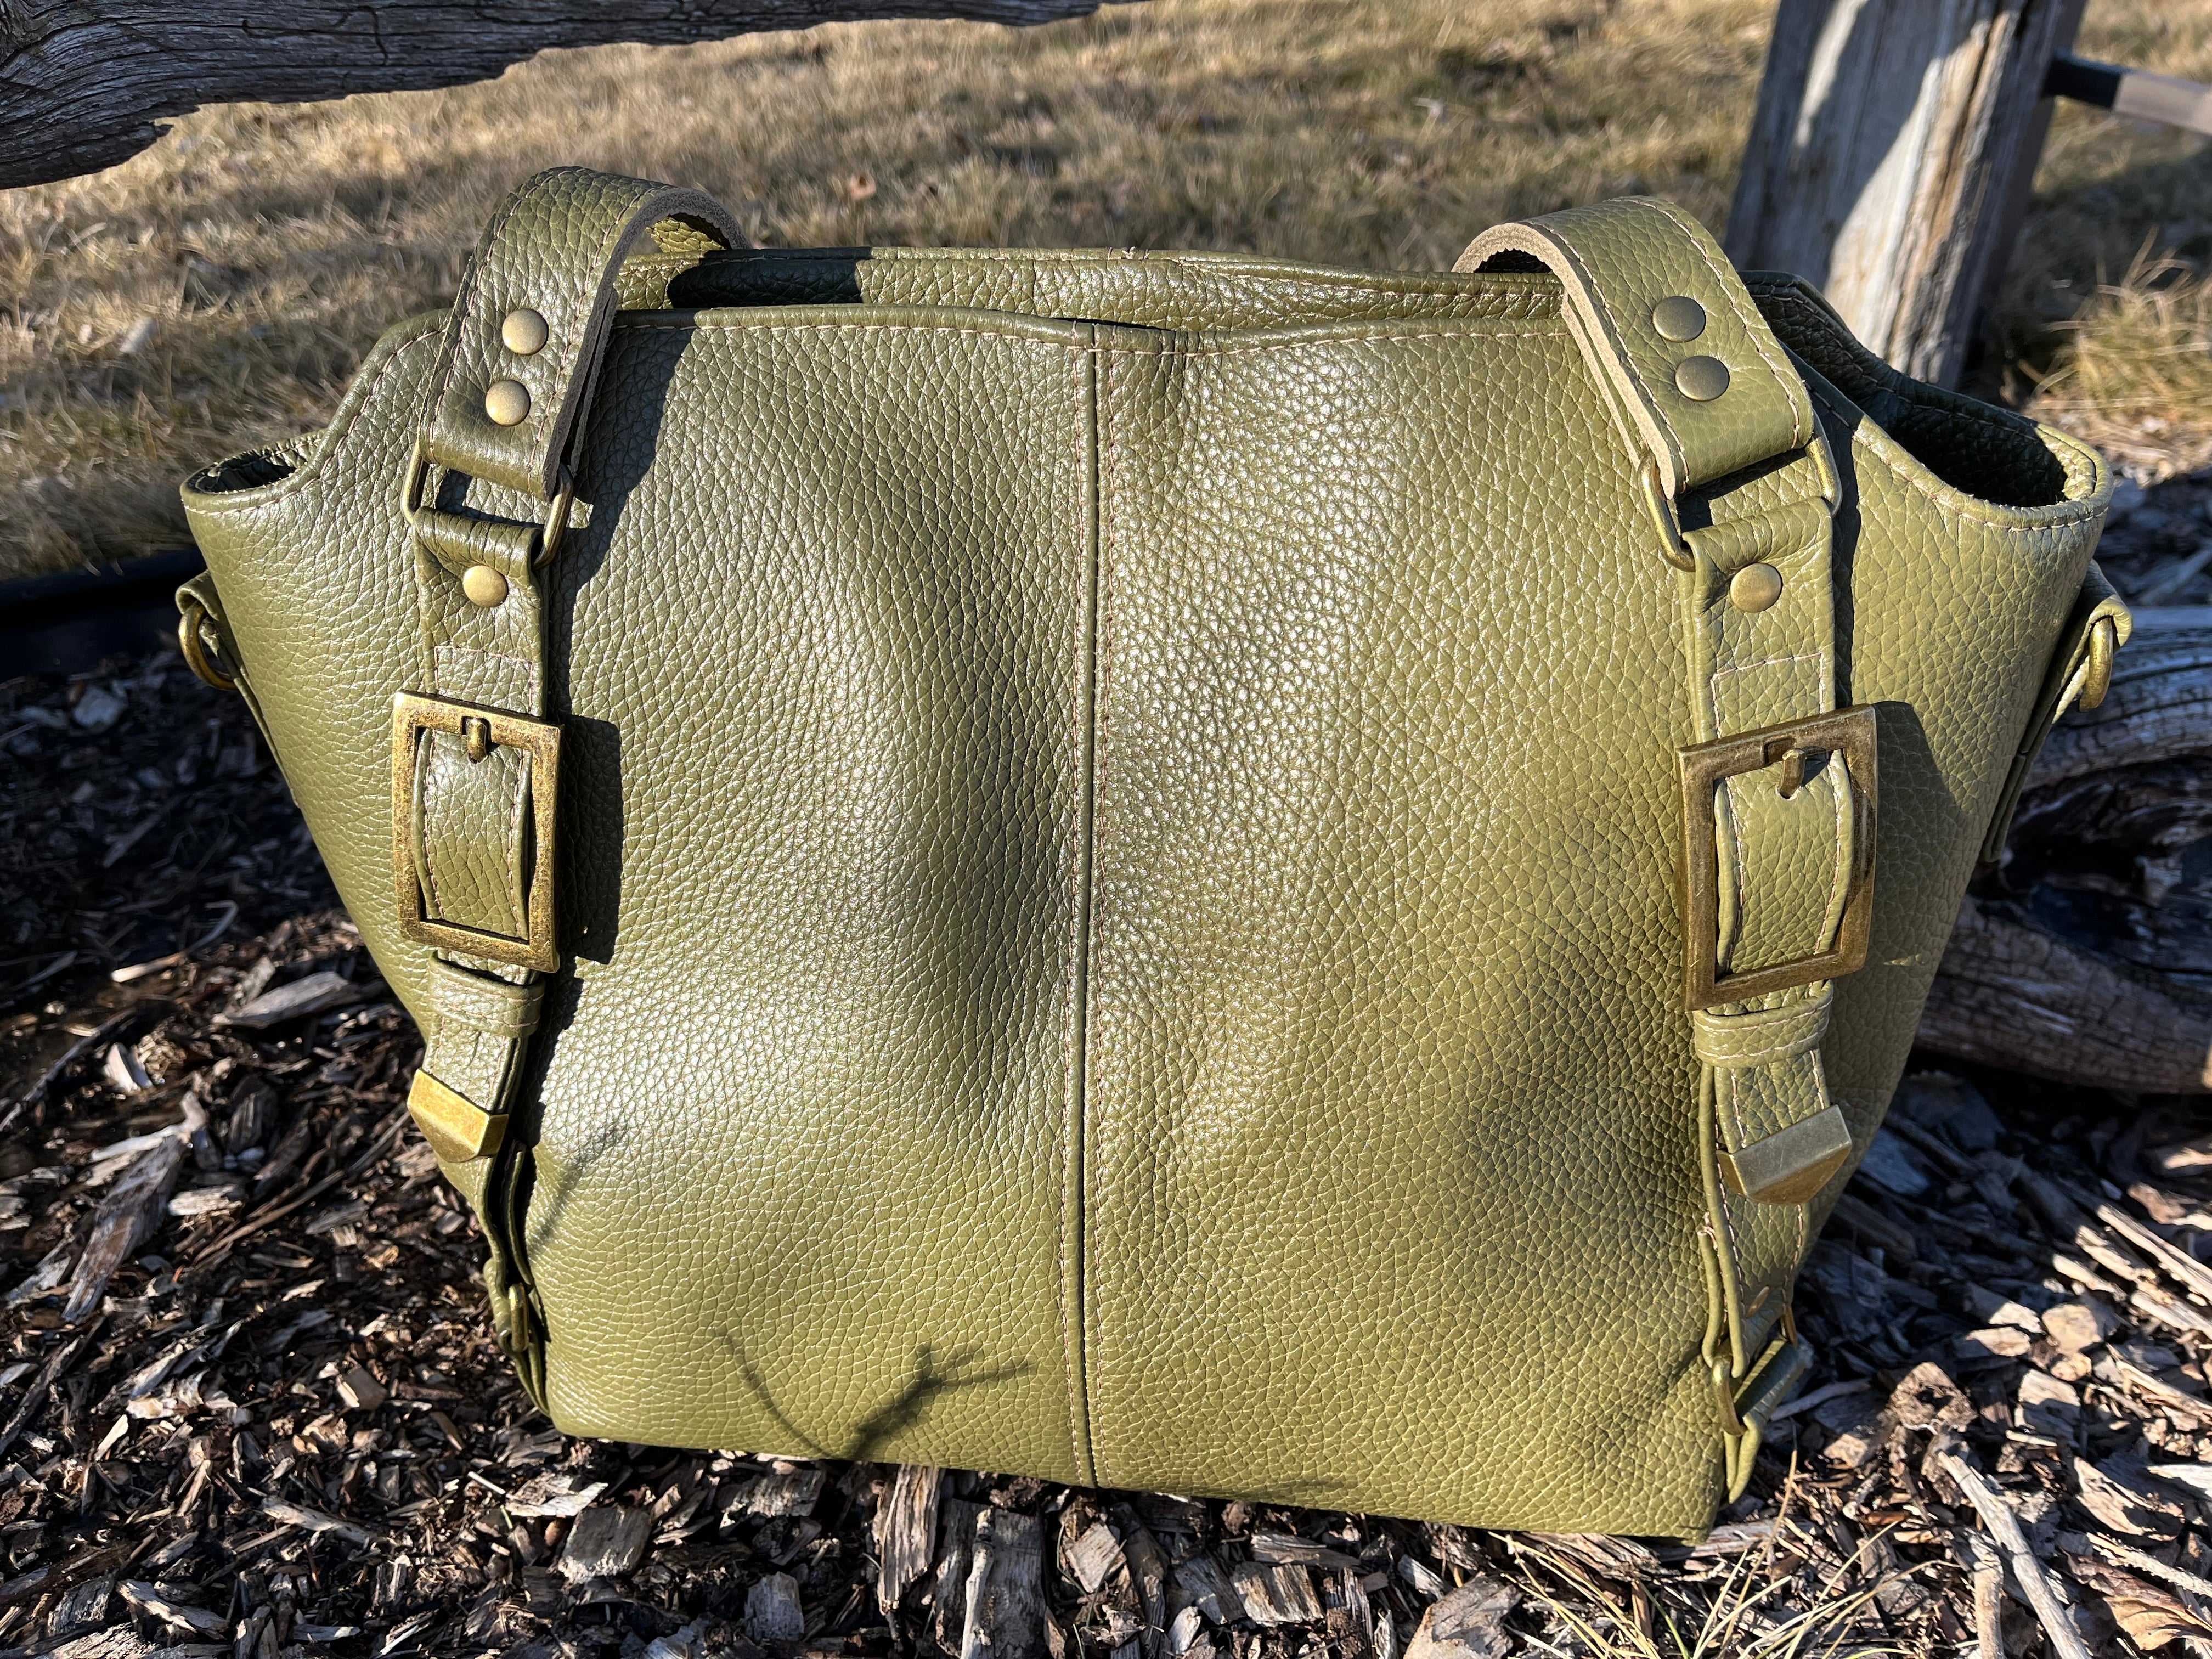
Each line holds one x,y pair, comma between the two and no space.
807,1091
1954,606
316,573
1394,1183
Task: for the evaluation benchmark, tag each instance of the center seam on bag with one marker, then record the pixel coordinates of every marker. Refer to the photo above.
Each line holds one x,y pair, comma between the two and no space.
1075,1246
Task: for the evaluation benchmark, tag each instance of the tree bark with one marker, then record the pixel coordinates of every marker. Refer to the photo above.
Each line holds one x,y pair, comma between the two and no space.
83,83
2087,956
1889,158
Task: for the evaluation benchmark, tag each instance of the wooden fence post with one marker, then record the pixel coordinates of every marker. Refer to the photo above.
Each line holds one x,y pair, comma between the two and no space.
1891,156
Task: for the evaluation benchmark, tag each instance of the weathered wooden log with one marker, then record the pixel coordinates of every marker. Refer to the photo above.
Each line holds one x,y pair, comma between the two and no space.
1890,157
906,1532
2086,957
83,83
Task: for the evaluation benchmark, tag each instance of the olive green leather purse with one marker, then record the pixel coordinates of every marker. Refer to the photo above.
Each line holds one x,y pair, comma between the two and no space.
1165,870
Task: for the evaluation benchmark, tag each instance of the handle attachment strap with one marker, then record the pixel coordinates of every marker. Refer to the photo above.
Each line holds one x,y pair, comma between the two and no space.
475,761
509,395
1778,781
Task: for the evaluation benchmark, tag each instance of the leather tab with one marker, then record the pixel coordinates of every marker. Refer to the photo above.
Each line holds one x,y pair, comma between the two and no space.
483,1003
1780,1371
1617,261
1761,1038
474,1045
555,249
459,540
2069,682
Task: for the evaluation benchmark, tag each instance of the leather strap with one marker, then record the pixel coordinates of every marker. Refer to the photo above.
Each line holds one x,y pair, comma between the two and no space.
2081,672
1616,262
1648,292
555,250
532,319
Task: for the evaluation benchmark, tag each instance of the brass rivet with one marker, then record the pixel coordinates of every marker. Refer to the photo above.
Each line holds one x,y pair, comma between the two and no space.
1754,587
1680,318
486,587
523,331
1701,378
507,402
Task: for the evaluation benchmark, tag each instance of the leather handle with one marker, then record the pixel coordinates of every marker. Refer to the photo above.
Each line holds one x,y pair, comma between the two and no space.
1619,262
555,251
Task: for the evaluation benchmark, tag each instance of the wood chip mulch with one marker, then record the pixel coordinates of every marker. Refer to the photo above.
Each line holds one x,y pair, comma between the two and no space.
250,1407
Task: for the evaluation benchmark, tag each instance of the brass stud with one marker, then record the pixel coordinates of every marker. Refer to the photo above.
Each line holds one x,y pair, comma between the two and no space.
1754,587
1679,317
507,402
1701,379
484,586
523,332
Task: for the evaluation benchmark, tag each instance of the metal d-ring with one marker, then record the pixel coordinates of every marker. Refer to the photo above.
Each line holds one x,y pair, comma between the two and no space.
555,529
552,531
193,644
1676,550
1671,547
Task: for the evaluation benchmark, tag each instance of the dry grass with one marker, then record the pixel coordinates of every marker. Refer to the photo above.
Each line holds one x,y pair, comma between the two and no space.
2134,371
2105,305
217,291
271,245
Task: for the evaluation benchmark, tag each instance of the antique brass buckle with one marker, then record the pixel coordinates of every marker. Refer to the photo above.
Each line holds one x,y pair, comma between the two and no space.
1849,735
482,730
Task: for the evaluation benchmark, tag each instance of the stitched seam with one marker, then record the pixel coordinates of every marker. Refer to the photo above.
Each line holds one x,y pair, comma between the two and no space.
1077,1092
1072,260
1753,326
1746,1059
1753,1056
1753,1059
1101,751
1763,662
1104,350
1934,489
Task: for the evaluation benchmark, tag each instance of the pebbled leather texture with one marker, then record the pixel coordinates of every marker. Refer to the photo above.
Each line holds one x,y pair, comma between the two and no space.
1118,826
